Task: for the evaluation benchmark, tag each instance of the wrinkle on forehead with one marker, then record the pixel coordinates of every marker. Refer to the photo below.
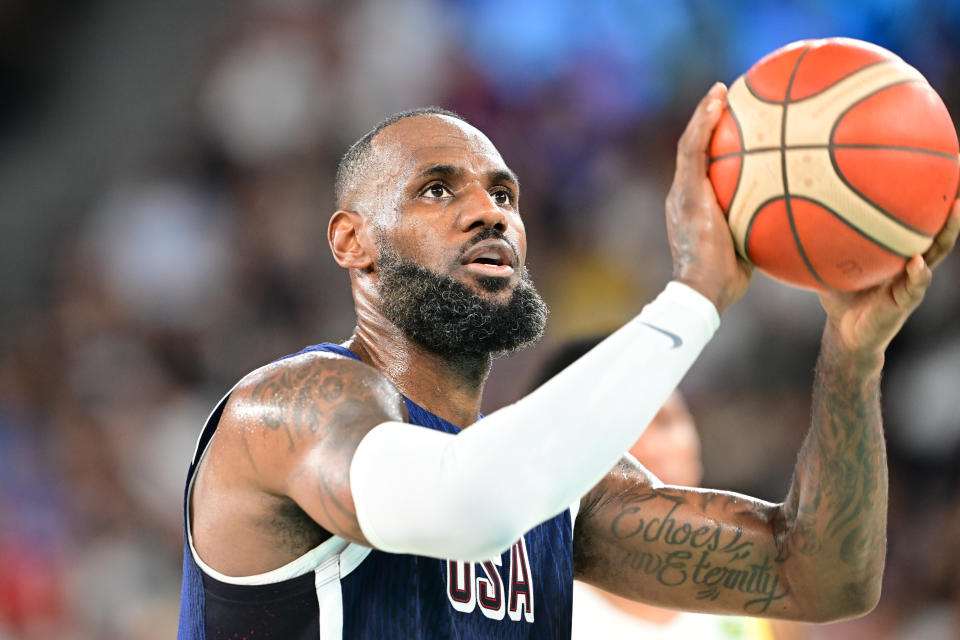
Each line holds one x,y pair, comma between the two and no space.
398,150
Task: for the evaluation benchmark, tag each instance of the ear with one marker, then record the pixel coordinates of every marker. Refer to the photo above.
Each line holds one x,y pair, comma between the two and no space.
346,236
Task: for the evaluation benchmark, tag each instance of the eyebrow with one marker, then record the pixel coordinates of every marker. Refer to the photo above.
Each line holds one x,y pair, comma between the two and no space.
505,175
451,171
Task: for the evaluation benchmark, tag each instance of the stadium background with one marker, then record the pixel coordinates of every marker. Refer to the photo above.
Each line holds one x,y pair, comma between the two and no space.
165,182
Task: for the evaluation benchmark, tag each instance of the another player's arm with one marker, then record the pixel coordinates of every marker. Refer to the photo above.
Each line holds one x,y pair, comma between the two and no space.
300,421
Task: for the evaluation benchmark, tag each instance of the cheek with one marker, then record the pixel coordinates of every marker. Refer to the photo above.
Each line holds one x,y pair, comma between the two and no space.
418,241
521,239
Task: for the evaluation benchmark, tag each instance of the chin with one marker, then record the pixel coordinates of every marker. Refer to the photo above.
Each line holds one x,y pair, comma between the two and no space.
488,286
495,285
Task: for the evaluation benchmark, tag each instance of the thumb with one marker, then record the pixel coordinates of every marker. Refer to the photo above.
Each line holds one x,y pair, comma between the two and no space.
692,148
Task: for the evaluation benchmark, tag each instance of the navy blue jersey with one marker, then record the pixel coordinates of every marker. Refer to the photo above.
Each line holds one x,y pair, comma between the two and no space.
345,590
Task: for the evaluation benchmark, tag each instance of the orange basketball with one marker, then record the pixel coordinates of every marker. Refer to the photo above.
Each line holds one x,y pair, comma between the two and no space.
835,161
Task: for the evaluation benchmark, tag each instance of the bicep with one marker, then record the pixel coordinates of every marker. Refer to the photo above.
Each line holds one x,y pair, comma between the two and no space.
681,547
301,422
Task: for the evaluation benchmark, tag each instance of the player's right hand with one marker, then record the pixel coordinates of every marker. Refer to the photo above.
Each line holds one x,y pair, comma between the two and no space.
864,322
700,240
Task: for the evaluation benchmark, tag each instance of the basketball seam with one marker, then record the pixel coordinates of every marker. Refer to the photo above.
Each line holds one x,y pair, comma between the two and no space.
756,95
783,169
736,186
753,218
829,210
830,145
753,92
860,99
891,147
836,215
842,78
899,221
843,178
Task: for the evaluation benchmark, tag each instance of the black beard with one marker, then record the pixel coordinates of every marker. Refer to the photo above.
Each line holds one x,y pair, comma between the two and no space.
444,316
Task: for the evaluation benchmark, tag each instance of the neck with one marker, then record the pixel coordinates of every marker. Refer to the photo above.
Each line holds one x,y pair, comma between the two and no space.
450,389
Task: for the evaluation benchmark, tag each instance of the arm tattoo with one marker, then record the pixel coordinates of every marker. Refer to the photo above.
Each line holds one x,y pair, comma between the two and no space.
321,406
681,538
819,553
838,499
713,556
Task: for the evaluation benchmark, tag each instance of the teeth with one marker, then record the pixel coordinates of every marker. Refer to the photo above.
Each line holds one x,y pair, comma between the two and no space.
488,257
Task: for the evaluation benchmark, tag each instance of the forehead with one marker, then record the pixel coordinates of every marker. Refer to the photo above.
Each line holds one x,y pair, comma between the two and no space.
417,141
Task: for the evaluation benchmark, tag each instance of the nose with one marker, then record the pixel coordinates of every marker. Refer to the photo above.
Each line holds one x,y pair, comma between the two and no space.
479,211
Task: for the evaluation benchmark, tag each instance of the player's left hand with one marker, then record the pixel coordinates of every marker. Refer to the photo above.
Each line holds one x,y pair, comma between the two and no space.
700,240
866,321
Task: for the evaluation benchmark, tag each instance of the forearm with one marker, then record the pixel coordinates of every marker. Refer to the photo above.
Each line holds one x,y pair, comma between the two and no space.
832,534
467,497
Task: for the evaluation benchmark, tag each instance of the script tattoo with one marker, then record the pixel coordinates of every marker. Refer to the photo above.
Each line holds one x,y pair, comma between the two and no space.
711,556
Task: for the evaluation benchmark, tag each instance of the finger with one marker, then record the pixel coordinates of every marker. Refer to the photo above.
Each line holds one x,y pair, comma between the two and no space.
909,290
692,149
945,240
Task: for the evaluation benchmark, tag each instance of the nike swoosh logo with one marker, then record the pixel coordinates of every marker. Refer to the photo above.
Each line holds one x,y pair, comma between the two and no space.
677,340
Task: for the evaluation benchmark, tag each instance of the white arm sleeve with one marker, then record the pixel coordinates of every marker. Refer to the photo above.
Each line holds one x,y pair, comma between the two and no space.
470,496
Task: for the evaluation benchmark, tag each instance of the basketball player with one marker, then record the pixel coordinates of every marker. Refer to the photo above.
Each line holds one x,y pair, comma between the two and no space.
351,491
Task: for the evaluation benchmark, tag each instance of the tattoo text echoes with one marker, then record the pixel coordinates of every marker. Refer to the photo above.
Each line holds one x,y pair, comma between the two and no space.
713,557
629,523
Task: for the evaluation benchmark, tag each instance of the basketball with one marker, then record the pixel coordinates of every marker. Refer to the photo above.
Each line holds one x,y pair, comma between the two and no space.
834,162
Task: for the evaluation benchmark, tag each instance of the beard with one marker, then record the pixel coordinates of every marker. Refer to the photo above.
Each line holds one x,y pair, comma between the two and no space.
446,317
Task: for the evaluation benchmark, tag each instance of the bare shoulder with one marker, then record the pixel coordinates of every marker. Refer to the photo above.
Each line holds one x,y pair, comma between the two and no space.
324,376
282,411
278,466
311,390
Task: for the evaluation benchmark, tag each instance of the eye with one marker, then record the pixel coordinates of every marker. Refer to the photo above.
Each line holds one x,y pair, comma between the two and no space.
502,197
436,190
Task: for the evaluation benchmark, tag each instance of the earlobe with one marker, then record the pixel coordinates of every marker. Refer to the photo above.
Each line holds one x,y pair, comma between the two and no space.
344,235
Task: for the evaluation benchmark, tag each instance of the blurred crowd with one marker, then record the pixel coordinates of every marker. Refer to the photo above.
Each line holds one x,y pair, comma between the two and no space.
205,257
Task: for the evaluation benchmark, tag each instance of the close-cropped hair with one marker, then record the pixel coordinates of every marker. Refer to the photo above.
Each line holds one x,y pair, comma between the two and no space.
352,163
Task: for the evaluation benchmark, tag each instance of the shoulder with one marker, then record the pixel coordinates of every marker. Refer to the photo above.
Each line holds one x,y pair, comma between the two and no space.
281,415
314,379
288,433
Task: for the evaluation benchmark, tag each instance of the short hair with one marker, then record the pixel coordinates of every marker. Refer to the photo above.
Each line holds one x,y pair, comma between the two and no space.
352,163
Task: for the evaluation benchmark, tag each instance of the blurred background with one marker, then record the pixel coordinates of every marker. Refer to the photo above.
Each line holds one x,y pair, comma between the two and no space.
166,173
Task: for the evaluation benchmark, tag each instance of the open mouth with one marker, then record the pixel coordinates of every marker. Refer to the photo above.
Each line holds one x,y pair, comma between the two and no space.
490,259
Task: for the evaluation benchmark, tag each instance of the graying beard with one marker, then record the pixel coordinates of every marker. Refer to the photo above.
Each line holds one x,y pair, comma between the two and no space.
444,316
